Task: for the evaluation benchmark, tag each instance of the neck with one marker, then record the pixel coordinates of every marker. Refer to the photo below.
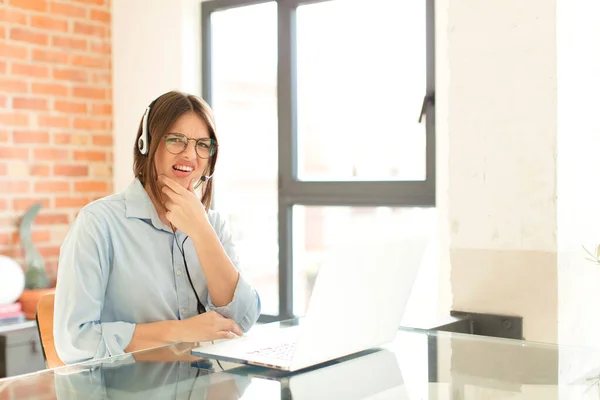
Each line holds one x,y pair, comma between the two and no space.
160,210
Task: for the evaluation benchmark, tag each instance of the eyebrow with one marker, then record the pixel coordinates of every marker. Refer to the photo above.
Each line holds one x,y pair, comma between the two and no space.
179,133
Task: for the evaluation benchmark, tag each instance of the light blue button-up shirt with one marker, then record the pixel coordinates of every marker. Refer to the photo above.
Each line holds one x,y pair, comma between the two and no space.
119,266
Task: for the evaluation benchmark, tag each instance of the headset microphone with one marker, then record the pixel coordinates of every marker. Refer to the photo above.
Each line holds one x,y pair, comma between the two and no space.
203,179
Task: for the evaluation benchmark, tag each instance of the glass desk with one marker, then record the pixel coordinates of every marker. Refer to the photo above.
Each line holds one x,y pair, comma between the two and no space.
418,364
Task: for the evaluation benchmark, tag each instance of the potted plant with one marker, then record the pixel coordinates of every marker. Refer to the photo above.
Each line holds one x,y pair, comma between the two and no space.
37,283
595,258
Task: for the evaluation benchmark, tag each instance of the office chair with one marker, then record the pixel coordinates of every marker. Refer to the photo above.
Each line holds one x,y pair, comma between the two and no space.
45,322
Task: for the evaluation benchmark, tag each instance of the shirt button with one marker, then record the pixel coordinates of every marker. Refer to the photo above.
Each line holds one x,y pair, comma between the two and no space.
183,310
178,272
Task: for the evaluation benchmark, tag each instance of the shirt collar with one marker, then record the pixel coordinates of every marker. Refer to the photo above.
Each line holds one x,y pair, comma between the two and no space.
138,205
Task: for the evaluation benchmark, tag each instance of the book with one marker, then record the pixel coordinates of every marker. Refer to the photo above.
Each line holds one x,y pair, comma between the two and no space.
10,308
14,318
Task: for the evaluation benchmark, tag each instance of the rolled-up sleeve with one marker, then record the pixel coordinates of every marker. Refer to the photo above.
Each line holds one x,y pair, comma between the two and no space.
244,307
83,272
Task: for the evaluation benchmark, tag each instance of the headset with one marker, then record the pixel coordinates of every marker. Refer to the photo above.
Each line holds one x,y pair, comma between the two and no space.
143,141
144,148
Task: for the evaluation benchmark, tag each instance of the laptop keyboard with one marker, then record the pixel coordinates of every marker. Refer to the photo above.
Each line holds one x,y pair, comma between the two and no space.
282,351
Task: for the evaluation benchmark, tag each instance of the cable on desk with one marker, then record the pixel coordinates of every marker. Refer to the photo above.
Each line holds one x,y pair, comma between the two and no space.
218,362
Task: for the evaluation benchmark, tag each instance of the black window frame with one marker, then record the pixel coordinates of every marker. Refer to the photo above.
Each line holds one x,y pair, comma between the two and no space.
322,193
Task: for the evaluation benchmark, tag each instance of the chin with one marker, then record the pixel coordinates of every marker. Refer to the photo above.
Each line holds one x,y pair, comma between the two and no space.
182,180
186,181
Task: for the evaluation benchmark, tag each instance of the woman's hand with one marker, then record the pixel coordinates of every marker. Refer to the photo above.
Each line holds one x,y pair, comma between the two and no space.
184,208
208,326
201,328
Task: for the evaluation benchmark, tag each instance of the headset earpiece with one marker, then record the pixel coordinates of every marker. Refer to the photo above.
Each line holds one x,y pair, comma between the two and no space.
143,141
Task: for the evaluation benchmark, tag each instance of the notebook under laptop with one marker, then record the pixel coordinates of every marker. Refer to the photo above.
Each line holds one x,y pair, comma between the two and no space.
357,303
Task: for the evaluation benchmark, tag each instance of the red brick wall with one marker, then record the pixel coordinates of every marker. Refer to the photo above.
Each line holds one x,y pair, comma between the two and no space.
55,116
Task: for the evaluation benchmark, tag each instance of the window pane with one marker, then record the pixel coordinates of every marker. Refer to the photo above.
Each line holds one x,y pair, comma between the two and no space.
361,81
319,232
244,82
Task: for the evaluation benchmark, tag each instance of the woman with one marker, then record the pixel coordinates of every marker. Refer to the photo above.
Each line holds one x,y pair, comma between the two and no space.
153,264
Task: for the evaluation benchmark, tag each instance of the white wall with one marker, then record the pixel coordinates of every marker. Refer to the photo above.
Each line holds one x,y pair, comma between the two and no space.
518,142
156,48
578,30
498,127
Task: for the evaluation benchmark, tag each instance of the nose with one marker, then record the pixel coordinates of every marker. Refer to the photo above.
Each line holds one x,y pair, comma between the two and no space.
190,150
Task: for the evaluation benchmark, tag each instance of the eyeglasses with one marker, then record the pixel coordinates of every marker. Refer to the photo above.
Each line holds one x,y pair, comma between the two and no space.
177,143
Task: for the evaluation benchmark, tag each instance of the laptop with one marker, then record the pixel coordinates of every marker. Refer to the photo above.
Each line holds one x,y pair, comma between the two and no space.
357,303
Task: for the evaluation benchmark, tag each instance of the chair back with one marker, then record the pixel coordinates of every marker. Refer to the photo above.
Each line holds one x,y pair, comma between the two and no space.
45,323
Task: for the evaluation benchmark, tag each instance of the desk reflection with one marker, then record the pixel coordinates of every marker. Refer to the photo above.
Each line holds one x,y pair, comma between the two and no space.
165,374
148,376
372,374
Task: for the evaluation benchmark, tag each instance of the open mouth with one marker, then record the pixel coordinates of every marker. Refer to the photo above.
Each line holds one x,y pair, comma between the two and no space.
182,171
182,168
